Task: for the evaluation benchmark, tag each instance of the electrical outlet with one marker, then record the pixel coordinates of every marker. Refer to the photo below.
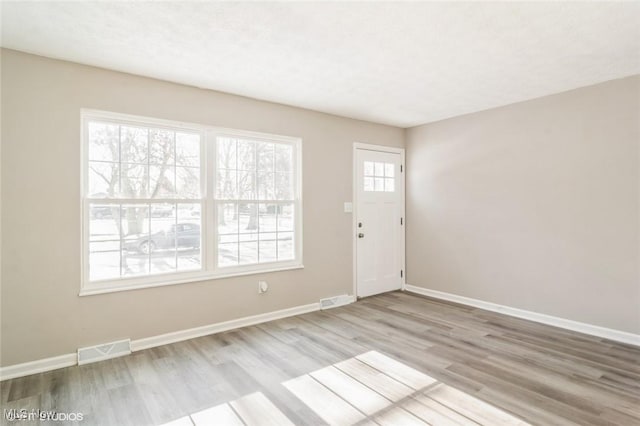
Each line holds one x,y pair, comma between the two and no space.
262,287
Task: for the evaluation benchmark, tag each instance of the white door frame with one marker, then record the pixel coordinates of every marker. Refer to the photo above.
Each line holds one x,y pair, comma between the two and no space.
354,222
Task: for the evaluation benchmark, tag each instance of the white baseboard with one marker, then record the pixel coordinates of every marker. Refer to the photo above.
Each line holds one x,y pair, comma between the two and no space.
177,336
38,366
68,360
594,330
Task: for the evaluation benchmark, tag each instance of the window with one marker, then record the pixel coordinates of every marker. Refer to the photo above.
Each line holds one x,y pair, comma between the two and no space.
157,211
254,201
379,177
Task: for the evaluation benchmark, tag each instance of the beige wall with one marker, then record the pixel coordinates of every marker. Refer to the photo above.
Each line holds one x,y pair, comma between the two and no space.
42,314
534,205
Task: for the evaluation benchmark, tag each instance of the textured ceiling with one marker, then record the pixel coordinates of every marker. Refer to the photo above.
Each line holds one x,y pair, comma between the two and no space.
396,63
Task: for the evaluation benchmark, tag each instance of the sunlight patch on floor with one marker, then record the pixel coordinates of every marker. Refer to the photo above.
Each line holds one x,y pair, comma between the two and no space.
369,389
252,409
373,388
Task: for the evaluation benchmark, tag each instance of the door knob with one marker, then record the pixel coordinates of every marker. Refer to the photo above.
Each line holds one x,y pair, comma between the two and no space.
361,235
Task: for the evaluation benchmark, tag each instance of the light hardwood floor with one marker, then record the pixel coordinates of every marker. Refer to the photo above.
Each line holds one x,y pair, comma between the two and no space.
391,359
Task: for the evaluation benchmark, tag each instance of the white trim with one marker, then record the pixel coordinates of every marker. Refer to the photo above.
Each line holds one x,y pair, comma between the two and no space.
354,219
184,125
354,213
161,280
178,336
581,327
38,366
379,148
403,234
68,360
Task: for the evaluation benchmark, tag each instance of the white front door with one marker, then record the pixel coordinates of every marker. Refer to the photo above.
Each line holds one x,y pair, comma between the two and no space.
378,221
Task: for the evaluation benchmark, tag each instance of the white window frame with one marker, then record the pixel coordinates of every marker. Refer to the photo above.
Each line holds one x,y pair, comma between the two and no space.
208,244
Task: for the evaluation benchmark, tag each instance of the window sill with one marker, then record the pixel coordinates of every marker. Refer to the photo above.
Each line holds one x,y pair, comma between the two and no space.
184,278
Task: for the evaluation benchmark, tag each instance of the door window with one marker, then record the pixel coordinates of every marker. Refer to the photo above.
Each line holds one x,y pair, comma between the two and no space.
379,177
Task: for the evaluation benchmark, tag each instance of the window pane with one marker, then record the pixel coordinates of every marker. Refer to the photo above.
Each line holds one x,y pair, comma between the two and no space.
188,149
389,169
104,143
104,260
227,219
248,252
266,185
189,237
268,250
248,216
227,254
189,212
379,184
162,248
136,241
284,158
248,237
285,246
103,180
226,184
104,241
162,181
247,231
228,239
227,234
246,155
267,218
146,163
389,184
134,146
188,182
266,153
378,169
98,211
246,185
189,263
134,181
368,184
242,240
162,149
164,213
368,168
268,247
285,217
284,189
226,153
133,265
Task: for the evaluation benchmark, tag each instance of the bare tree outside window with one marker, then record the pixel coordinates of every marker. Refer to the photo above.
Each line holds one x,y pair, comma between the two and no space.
255,189
146,164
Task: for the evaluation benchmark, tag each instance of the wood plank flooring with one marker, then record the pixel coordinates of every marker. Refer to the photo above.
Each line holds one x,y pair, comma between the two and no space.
392,359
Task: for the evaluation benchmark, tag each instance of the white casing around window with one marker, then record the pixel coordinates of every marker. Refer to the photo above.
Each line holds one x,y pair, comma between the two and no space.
209,220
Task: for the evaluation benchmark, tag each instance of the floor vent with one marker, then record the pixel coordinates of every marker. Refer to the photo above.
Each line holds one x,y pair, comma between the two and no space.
104,351
334,302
